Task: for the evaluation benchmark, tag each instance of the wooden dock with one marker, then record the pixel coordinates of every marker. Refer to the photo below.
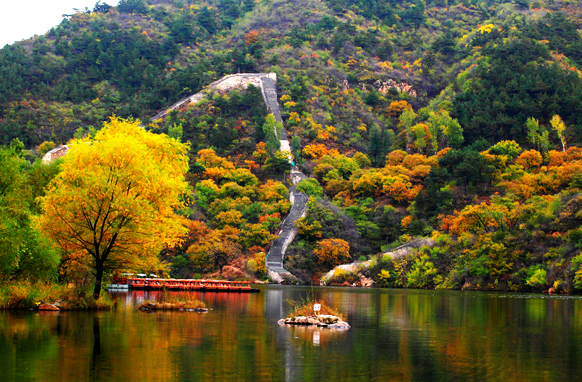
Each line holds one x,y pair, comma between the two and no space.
181,284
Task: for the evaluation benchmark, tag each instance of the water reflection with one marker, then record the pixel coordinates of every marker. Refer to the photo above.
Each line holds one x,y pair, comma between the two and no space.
395,335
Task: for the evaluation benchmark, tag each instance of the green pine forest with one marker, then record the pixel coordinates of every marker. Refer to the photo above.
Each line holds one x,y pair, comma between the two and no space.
454,122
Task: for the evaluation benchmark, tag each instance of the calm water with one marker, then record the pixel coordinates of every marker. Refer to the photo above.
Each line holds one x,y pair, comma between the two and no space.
396,335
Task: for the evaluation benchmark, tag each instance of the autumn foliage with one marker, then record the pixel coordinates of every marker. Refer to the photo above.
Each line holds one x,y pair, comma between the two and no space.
113,205
332,252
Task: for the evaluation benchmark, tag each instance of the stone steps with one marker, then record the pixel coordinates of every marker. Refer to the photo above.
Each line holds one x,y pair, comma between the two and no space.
269,91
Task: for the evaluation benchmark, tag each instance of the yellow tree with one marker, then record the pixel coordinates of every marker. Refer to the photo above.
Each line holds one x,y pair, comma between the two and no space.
113,205
560,128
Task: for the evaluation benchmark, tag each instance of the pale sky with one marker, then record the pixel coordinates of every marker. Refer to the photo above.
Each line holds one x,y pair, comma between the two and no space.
22,19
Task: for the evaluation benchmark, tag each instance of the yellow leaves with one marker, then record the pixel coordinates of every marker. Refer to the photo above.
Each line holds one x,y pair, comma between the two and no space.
396,108
260,152
215,173
208,158
272,191
256,234
209,183
315,151
352,62
309,230
284,155
294,117
486,28
368,184
119,192
560,128
387,65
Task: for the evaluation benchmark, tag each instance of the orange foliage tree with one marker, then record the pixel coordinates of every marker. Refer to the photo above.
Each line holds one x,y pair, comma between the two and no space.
396,108
332,252
530,160
318,150
251,37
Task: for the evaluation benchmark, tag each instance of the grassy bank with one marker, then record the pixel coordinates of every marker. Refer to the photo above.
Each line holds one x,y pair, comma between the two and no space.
29,295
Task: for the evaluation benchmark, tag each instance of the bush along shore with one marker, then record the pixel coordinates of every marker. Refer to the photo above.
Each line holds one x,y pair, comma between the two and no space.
312,312
182,303
26,295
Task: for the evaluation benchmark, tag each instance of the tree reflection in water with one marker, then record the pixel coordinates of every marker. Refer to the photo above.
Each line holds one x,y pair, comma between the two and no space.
395,335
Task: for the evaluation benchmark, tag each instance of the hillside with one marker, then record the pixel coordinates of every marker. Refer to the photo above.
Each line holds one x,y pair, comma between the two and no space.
342,64
456,120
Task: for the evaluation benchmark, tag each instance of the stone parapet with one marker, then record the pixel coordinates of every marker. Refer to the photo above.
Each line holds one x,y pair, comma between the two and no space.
224,85
55,153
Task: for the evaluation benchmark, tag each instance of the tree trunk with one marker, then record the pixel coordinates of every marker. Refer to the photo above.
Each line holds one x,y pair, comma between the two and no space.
98,278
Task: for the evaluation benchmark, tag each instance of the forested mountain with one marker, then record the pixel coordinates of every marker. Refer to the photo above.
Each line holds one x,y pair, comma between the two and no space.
498,63
452,118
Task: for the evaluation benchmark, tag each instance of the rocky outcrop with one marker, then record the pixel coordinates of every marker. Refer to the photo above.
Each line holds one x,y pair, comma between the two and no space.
49,307
402,87
323,321
55,153
396,253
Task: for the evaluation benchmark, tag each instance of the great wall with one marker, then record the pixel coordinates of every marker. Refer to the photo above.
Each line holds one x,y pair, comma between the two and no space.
267,83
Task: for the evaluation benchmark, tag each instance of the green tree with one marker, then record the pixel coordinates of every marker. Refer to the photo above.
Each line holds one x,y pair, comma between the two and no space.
175,131
533,128
23,251
272,130
311,187
406,122
207,20
296,148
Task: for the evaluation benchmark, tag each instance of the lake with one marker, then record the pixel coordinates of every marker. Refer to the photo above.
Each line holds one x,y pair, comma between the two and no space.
396,335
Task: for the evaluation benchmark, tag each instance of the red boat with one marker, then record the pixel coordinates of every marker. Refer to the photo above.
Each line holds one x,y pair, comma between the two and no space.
188,284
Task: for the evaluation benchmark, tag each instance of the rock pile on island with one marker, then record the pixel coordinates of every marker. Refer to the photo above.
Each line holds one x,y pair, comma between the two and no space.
323,320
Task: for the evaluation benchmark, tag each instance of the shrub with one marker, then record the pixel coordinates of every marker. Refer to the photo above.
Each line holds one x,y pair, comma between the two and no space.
341,276
537,277
507,148
311,187
422,274
28,295
383,279
304,308
258,265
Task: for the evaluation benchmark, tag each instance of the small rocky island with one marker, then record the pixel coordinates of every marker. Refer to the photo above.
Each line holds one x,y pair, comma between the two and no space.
182,303
322,320
314,313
